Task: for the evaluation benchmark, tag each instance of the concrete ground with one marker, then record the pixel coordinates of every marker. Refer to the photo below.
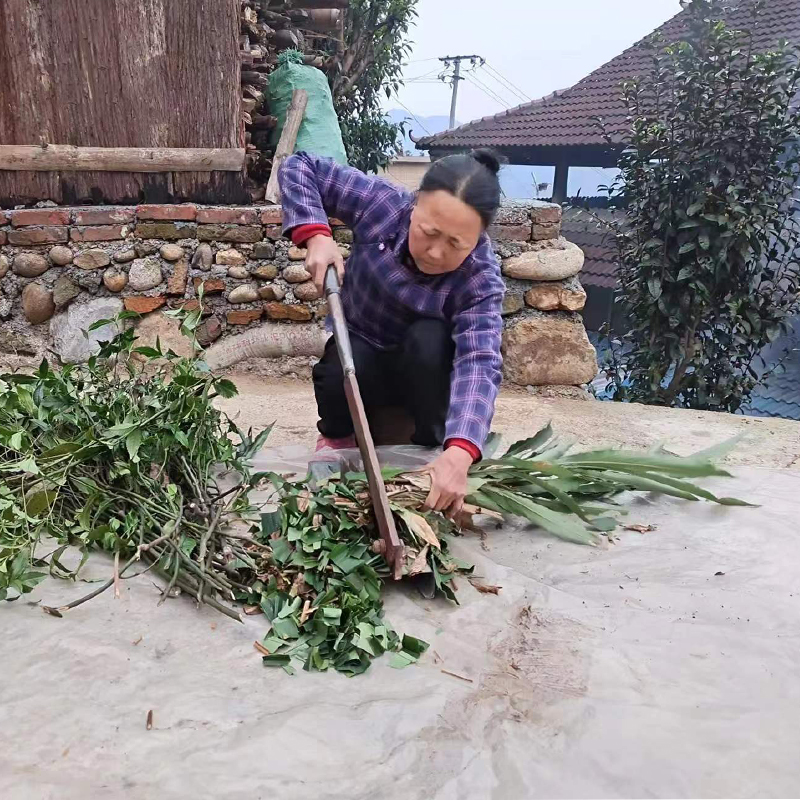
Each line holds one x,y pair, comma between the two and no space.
766,442
665,665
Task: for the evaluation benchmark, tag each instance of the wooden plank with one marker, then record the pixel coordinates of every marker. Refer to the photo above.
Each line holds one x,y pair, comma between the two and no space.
66,158
294,118
210,187
115,74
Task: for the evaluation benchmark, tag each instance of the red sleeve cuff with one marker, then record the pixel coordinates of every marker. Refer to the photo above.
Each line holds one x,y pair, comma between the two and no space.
302,233
464,445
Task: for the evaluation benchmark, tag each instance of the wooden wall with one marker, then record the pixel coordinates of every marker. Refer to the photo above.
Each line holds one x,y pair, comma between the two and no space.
120,73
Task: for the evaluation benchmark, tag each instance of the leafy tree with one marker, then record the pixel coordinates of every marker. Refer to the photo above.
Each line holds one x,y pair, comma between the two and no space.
708,249
368,64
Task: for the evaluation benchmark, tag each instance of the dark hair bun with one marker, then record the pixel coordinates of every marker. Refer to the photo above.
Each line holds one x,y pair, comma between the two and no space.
489,158
471,177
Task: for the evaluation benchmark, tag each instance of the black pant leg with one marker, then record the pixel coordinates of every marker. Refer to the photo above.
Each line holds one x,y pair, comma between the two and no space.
424,370
334,415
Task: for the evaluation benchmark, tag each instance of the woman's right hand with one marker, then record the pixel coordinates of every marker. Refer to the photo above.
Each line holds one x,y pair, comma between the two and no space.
322,252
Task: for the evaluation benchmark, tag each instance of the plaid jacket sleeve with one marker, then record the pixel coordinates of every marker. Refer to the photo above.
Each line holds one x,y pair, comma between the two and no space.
314,188
477,332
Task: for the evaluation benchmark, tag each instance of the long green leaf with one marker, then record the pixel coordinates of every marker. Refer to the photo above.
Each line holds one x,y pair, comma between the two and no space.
624,461
562,525
533,444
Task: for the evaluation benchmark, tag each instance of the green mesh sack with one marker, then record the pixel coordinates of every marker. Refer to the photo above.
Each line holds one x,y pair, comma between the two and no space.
319,132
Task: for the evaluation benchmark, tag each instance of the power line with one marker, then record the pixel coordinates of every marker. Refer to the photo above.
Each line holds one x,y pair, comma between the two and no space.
489,93
486,90
504,88
415,117
519,91
500,77
419,77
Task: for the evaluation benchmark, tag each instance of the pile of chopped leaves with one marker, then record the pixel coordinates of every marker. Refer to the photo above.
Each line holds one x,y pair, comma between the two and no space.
124,454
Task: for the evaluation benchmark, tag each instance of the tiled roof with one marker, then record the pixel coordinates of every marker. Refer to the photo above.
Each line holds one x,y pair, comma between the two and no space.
781,395
600,266
566,118
777,401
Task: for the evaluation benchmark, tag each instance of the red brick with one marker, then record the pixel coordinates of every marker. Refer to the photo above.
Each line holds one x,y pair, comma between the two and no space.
186,213
144,305
105,216
39,216
285,311
547,230
272,216
273,231
165,230
210,286
223,214
244,316
3,218
509,233
39,236
546,214
229,233
100,233
176,285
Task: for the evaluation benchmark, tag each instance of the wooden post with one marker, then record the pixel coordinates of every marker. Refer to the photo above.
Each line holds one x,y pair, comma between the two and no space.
560,182
291,128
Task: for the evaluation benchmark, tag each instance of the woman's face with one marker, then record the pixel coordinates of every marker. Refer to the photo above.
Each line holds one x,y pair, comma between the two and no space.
444,231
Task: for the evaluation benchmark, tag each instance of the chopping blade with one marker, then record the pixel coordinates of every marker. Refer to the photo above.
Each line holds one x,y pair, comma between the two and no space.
389,544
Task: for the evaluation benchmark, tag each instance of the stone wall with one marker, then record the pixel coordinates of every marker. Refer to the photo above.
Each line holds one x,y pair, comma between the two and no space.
61,269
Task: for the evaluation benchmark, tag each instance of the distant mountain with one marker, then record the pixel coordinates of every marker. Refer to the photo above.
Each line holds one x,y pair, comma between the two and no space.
419,126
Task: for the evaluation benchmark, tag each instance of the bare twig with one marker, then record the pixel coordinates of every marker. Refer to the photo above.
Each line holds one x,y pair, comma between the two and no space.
100,589
116,575
460,677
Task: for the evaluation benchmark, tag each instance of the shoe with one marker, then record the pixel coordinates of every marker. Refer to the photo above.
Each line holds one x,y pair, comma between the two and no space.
325,443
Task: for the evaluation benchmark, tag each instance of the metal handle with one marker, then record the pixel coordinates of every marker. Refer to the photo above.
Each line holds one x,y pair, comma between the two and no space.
340,333
331,284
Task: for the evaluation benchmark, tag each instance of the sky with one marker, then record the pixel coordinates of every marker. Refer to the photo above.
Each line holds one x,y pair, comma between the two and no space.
538,45
532,48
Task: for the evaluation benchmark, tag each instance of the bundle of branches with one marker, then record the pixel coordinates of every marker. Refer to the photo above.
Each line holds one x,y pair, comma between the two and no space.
321,583
120,454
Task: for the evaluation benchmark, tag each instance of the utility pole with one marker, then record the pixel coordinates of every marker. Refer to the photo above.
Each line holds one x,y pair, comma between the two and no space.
455,62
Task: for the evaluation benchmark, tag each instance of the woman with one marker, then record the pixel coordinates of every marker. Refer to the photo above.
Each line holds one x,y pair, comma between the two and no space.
422,294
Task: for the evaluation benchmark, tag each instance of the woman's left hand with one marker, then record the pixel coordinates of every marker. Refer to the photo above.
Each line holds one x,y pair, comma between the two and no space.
448,480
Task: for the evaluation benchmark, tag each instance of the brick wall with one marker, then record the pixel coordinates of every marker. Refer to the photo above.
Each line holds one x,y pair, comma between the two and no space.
61,268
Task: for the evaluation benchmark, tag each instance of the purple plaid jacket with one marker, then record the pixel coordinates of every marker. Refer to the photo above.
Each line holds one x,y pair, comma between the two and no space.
382,296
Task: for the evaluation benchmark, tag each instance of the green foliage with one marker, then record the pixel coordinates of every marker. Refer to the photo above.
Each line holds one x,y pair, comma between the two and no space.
708,250
321,588
367,65
112,455
370,138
